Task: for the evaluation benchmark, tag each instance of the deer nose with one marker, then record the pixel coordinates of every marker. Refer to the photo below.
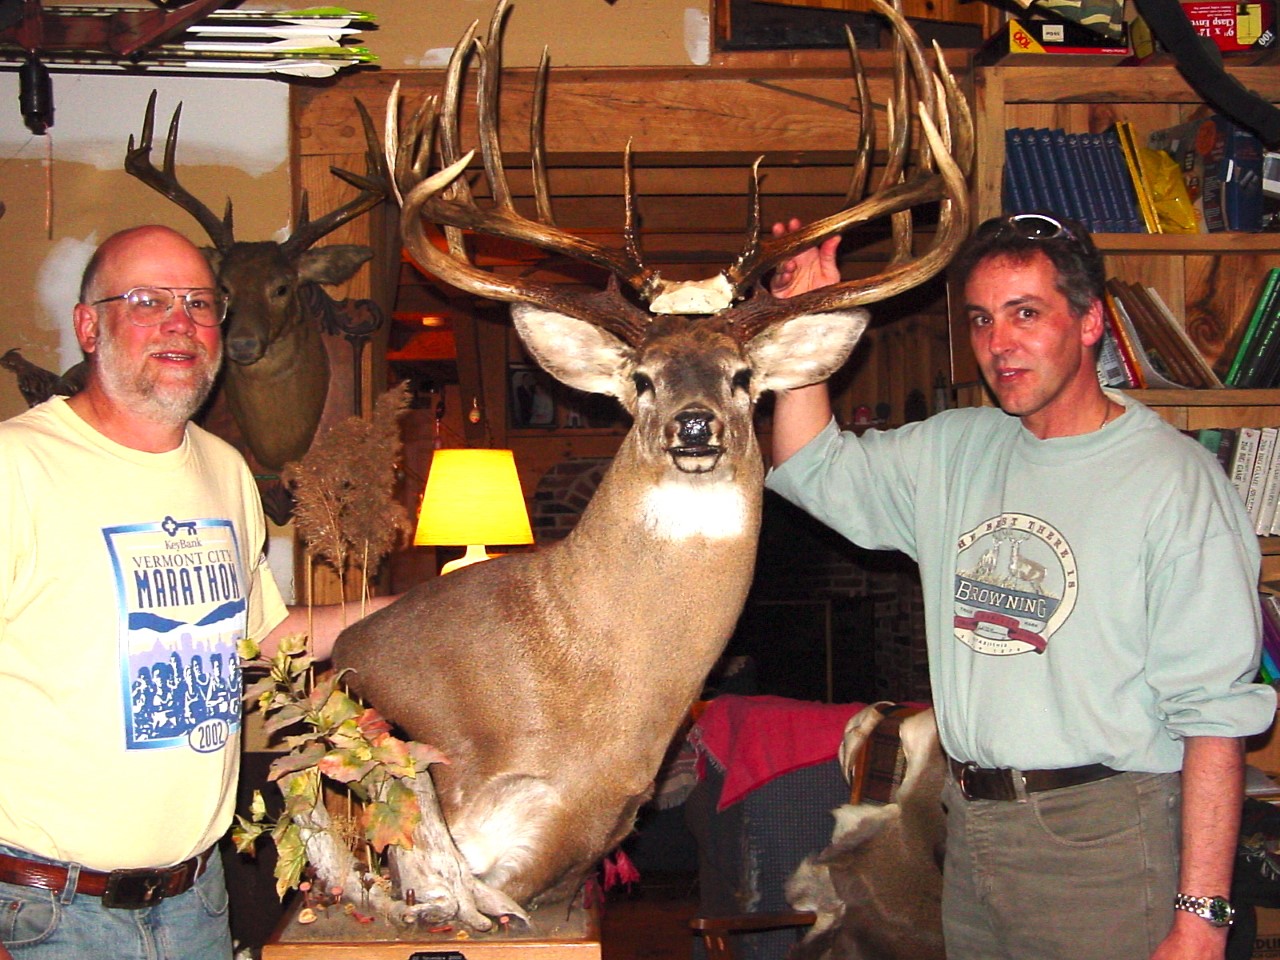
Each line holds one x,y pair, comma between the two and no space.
695,427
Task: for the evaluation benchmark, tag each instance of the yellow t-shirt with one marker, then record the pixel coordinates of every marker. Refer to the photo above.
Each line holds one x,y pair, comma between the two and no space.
126,580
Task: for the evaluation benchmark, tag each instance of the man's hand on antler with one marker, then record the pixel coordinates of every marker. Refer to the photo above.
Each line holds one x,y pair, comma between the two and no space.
811,268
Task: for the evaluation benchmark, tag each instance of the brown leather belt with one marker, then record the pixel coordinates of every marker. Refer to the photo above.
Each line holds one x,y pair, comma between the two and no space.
981,783
123,889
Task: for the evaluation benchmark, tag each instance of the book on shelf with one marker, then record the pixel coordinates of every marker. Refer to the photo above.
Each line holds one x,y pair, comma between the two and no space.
1126,345
1180,336
1137,177
1242,459
1269,496
1073,184
1258,475
1042,152
1159,338
1121,185
1099,220
1261,366
1249,335
1113,369
1017,176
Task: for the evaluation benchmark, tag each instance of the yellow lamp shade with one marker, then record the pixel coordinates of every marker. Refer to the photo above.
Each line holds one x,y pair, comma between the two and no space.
473,498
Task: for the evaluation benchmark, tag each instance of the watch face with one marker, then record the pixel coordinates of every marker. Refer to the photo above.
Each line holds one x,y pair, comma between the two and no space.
1220,912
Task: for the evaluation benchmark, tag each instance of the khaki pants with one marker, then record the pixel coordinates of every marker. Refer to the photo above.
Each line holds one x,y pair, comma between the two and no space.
1081,873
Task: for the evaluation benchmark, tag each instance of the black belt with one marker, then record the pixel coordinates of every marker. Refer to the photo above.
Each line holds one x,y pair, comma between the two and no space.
981,783
126,889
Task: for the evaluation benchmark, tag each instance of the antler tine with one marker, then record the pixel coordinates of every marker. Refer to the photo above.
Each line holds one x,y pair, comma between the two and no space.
374,187
137,162
490,54
537,140
450,134
866,126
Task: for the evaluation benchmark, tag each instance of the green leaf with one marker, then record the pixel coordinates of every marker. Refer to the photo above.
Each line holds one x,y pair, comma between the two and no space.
258,807
286,716
245,834
291,859
248,649
393,754
393,819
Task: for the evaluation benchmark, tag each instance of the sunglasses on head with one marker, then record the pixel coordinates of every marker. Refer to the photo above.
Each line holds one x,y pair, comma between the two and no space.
1033,226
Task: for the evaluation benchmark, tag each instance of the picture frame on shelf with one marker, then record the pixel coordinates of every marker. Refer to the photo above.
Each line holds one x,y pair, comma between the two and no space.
531,398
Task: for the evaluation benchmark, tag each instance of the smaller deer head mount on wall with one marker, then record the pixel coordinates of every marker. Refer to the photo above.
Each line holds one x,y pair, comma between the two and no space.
276,377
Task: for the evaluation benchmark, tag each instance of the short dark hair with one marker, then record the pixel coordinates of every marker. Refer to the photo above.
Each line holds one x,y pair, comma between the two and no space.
1082,278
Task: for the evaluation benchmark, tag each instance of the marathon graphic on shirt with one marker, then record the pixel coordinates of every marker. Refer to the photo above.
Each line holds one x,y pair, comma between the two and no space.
1015,585
181,593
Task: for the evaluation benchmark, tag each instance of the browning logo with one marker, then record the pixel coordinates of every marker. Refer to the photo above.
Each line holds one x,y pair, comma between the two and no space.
1015,585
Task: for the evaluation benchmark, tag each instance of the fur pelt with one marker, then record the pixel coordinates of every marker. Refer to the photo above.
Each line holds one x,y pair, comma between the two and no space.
877,888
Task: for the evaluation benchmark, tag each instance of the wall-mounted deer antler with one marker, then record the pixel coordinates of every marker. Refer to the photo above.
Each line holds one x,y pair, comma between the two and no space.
277,377
554,680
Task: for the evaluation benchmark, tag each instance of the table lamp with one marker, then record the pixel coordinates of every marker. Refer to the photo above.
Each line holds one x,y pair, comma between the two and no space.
472,498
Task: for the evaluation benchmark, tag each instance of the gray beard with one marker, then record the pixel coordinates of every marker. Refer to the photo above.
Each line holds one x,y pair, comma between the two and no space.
172,405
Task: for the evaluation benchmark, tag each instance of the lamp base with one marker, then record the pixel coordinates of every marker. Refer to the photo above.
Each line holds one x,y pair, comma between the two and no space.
475,554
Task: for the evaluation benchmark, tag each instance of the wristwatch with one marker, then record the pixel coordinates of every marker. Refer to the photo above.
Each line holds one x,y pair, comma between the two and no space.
1217,910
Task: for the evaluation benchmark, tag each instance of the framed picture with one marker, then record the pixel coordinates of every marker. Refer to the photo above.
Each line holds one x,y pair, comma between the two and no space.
531,401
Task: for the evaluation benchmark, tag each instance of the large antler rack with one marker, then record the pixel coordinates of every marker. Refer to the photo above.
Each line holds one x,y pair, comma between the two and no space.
933,172
374,185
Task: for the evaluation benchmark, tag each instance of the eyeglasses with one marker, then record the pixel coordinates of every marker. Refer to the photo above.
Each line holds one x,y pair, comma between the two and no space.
151,306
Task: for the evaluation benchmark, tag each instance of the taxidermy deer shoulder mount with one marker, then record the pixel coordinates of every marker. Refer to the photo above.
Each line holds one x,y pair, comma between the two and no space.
276,377
554,680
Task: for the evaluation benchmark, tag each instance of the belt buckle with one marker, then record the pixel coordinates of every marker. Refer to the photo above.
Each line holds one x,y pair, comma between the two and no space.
134,889
966,769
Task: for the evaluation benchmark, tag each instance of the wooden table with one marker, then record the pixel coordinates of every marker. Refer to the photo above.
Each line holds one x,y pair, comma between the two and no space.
556,933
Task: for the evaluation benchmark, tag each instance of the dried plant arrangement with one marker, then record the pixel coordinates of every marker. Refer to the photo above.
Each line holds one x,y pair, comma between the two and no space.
336,747
345,511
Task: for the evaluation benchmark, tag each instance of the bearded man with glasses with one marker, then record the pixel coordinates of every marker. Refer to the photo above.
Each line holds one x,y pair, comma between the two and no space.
133,547
1090,585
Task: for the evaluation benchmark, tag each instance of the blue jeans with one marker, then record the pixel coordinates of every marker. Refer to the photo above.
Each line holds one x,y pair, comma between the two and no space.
36,924
1082,873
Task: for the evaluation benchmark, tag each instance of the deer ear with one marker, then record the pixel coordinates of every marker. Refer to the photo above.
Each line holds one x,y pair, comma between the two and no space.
335,263
804,349
578,354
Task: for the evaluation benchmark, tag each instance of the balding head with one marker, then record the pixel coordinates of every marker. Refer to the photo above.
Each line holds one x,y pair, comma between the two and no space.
149,255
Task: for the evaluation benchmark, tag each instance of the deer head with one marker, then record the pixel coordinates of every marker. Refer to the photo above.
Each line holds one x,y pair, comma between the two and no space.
277,377
554,680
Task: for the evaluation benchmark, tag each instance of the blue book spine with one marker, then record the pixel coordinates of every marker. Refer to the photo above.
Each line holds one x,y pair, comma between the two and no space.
1122,183
1072,178
1041,195
1053,168
1096,164
1090,195
1017,178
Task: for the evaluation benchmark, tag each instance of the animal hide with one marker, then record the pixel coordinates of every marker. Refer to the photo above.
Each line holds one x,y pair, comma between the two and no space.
877,888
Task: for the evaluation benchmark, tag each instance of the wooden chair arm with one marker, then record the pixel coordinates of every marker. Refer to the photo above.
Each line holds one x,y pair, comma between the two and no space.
715,931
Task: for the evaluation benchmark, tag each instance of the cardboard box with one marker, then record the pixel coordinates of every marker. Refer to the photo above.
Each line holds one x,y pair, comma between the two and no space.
1050,41
1266,943
1231,26
1222,165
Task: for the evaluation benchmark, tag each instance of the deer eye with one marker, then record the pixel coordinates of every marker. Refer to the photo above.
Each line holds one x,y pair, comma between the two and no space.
742,380
643,383
282,290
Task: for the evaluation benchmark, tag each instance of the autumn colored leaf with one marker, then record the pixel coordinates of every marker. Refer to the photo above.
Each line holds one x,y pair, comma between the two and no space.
373,725
293,762
425,755
291,859
346,766
393,819
245,834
